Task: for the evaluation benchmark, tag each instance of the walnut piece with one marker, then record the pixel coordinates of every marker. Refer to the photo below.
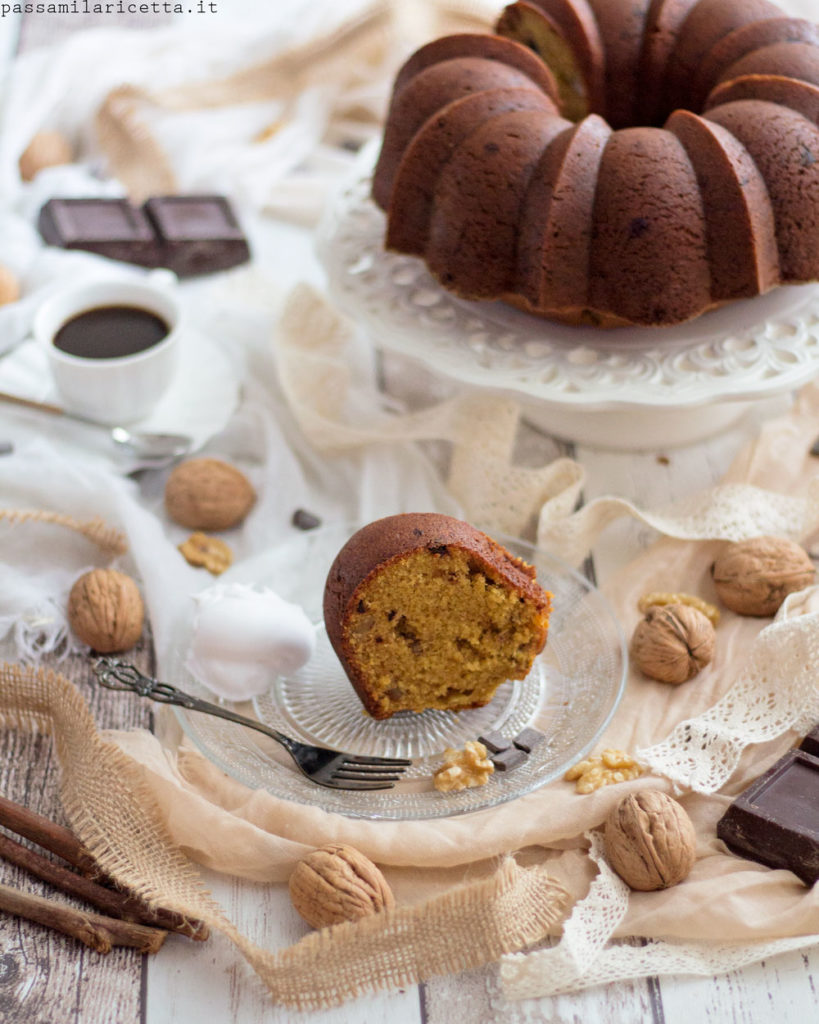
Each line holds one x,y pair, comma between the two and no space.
105,610
46,149
208,494
9,286
337,883
206,552
650,841
463,769
709,610
672,643
604,769
753,577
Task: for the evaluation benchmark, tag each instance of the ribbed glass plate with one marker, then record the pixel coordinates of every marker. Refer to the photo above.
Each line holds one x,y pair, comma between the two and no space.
570,696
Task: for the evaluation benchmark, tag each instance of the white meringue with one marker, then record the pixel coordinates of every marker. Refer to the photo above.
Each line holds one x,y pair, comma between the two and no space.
243,638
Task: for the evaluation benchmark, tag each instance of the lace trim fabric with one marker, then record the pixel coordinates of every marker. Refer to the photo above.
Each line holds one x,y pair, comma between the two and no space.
586,956
702,753
729,512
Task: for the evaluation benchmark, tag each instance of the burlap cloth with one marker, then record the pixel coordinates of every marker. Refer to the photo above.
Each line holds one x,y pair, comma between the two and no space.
148,811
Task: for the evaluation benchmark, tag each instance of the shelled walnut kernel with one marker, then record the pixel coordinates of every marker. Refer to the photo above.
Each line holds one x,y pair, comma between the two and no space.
211,553
463,769
709,610
605,769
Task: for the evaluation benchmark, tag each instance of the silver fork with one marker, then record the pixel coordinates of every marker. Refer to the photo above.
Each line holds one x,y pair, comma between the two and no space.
325,767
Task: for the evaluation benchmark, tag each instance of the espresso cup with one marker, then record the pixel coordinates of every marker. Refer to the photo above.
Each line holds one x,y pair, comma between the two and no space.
112,347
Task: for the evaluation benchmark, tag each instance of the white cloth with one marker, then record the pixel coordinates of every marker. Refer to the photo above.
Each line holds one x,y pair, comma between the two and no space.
370,471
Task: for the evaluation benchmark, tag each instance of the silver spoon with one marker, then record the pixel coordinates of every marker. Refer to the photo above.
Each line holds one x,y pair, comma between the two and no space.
150,448
147,448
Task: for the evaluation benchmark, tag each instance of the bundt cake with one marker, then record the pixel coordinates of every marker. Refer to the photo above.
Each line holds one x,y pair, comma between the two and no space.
610,162
424,611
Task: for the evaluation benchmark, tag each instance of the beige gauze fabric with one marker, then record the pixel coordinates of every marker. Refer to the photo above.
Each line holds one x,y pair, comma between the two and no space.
114,812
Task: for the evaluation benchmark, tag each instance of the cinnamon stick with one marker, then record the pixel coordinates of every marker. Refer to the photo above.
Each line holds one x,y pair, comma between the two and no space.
99,932
113,902
47,834
62,841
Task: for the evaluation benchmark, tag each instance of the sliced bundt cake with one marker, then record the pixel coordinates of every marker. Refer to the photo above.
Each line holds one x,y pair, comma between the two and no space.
666,161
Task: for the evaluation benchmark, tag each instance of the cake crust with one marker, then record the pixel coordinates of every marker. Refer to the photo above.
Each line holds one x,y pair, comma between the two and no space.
698,190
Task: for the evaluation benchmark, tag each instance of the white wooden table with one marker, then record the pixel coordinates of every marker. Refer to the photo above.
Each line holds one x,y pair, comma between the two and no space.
48,979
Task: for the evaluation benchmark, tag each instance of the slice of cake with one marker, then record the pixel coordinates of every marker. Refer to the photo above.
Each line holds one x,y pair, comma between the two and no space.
424,611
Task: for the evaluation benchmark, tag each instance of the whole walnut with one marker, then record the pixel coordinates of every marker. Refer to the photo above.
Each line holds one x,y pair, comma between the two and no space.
753,577
105,610
337,883
208,494
650,841
673,642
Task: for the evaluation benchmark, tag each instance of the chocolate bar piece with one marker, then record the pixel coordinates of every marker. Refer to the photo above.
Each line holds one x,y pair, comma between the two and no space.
506,760
495,742
188,234
528,739
197,234
109,227
776,820
305,520
811,742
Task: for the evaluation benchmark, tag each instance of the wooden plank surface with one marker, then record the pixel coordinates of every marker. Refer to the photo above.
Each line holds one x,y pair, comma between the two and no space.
47,978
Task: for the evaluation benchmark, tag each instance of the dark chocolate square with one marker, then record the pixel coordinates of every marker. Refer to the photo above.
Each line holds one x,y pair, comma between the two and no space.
495,742
810,743
108,227
305,520
506,760
528,739
198,234
776,820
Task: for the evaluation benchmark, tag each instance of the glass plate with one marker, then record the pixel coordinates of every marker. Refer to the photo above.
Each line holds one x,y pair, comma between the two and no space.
570,696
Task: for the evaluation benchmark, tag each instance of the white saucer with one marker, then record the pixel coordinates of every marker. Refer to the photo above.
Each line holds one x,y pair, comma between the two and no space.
623,388
199,401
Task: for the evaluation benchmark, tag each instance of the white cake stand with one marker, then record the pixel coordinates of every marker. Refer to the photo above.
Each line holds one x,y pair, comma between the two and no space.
628,388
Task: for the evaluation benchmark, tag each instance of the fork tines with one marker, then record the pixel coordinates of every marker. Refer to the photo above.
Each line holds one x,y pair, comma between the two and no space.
362,772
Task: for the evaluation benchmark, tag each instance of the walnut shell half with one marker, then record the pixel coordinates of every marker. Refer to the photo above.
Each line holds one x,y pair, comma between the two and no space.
337,883
673,642
650,841
753,577
105,610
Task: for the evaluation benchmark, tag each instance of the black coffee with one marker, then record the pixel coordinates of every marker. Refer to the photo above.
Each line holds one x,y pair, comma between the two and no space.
109,332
